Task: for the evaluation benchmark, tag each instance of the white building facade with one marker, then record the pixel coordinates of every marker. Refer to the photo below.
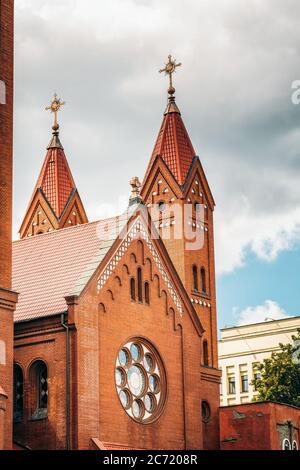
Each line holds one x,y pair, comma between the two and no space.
242,348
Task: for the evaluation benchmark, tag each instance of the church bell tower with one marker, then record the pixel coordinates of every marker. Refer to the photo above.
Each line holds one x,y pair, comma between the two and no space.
176,186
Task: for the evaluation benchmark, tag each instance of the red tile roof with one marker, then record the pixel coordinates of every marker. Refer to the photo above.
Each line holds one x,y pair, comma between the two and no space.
48,266
174,145
56,179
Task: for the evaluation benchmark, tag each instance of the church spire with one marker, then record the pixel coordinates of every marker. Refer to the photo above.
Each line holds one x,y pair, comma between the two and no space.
173,144
55,202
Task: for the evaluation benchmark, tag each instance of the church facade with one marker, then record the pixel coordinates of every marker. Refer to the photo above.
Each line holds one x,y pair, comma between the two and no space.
115,335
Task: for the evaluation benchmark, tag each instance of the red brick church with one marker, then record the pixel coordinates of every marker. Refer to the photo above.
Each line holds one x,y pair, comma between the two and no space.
115,336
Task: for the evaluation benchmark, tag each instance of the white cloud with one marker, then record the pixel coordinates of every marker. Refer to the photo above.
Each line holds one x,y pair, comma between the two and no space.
270,310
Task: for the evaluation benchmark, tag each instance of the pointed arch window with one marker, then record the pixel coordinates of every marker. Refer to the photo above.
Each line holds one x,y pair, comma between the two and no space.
195,278
203,280
147,293
39,390
205,353
132,289
140,286
18,393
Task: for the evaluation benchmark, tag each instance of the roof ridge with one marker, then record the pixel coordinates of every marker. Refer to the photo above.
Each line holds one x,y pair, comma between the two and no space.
73,227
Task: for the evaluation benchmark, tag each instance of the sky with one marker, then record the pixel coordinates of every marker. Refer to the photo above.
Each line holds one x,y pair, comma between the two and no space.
234,89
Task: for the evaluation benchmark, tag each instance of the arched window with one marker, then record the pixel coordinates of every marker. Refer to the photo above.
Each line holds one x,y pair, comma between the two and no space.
147,293
132,289
195,278
205,408
18,393
203,280
39,390
205,353
140,288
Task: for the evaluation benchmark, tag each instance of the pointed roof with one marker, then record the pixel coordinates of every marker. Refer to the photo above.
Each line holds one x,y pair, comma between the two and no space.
55,179
173,144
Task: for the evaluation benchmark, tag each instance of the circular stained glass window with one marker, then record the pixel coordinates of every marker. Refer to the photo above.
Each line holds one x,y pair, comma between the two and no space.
140,380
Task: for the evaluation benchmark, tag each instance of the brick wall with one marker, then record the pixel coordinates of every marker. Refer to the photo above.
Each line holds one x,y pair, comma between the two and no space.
7,299
258,426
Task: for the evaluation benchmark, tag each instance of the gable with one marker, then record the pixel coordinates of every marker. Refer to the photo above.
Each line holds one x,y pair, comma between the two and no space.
39,216
139,231
141,228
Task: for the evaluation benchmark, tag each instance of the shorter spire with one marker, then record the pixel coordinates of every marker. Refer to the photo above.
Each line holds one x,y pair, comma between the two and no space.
169,69
54,107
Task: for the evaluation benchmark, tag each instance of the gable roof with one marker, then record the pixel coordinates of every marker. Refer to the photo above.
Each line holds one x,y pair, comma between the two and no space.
173,144
46,267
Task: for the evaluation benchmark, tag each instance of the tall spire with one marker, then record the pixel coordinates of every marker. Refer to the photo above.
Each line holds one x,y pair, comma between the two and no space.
173,143
55,187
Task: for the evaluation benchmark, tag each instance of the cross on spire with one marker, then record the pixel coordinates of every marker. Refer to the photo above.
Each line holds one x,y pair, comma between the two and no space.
54,107
169,69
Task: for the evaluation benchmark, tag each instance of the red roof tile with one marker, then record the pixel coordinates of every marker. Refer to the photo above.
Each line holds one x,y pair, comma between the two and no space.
174,145
56,179
48,266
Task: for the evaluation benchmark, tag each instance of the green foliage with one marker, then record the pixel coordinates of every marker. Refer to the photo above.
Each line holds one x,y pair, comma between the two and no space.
280,375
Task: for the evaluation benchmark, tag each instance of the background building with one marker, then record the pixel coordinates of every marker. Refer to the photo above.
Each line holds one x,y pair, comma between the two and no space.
241,348
260,426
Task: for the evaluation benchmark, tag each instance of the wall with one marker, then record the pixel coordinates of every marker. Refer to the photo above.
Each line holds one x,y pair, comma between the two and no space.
42,339
241,348
257,426
103,327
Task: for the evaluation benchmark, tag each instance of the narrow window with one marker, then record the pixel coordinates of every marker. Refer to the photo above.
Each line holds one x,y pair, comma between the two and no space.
39,390
203,280
231,386
140,288
205,353
18,393
245,384
195,278
257,376
147,293
205,411
132,289
2,92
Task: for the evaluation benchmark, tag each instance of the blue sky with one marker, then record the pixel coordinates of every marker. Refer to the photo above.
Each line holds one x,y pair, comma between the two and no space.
257,281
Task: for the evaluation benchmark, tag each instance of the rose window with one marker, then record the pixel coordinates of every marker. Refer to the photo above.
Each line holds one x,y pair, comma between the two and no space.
140,380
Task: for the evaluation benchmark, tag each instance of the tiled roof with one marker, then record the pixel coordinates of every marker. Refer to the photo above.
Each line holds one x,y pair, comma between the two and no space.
56,179
174,145
49,266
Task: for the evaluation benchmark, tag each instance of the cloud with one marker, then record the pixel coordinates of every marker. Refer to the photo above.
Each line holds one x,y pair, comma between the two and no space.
234,91
270,310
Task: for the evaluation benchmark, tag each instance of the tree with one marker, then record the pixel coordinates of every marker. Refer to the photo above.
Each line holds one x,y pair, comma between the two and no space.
280,375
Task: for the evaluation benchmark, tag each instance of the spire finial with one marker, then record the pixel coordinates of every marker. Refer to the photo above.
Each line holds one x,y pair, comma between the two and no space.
169,69
135,196
54,107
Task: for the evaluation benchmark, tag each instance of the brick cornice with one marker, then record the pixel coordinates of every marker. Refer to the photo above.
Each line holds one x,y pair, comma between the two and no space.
8,299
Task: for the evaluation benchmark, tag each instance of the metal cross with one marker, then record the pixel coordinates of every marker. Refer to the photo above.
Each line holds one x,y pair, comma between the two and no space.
54,107
170,68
